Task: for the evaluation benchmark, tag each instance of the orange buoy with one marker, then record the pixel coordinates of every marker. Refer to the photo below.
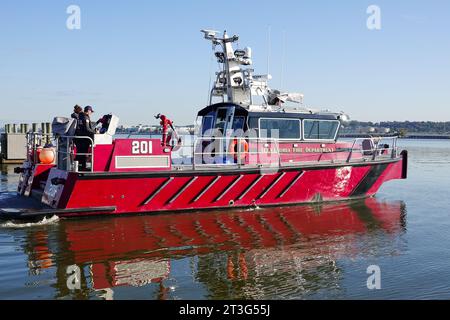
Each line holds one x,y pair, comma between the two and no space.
234,148
47,155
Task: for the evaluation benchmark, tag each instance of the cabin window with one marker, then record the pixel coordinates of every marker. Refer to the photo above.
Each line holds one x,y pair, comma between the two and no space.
221,119
253,123
279,128
320,129
207,124
238,123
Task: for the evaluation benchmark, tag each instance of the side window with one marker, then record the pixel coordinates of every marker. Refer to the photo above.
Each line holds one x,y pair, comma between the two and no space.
279,128
238,123
253,123
253,129
207,124
320,129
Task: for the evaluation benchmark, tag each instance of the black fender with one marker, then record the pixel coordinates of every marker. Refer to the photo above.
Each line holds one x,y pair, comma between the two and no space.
404,155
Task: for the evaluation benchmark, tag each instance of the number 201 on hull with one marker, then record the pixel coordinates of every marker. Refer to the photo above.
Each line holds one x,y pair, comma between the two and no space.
141,147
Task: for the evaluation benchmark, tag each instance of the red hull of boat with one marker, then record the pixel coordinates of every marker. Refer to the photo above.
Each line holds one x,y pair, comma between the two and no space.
196,190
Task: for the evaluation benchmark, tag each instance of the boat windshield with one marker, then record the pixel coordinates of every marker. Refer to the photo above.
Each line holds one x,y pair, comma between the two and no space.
222,122
238,123
207,125
221,119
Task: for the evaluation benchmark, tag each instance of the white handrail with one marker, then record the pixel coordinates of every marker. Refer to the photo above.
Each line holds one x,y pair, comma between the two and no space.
69,141
273,142
378,149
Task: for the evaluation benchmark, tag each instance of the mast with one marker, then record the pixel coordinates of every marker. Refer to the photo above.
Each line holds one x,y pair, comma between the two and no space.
233,81
237,85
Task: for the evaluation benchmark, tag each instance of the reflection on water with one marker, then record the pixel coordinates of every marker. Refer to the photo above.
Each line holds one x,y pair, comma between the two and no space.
298,252
288,252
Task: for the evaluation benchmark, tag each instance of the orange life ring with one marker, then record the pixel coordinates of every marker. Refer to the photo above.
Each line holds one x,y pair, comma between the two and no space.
234,148
47,155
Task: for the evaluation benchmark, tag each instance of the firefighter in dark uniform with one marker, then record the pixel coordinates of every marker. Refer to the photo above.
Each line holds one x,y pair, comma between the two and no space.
85,128
76,112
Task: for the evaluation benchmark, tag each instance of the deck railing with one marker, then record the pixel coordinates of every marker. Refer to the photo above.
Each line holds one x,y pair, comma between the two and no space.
221,153
229,152
358,150
36,141
64,146
374,148
67,154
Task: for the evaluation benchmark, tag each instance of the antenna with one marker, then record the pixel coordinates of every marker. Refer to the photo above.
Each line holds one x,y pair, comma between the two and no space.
210,35
283,59
208,96
269,31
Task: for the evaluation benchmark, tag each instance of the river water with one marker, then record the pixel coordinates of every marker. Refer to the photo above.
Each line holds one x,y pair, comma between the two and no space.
301,252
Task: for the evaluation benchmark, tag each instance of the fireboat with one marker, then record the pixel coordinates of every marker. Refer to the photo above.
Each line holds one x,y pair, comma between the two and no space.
253,147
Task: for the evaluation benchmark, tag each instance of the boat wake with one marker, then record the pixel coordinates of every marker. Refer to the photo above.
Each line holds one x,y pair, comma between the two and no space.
19,225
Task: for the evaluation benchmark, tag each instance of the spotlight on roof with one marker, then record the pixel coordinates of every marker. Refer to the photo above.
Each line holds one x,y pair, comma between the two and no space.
344,118
209,34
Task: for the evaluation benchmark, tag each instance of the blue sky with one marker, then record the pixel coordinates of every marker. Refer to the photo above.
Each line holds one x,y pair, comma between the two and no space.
138,58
